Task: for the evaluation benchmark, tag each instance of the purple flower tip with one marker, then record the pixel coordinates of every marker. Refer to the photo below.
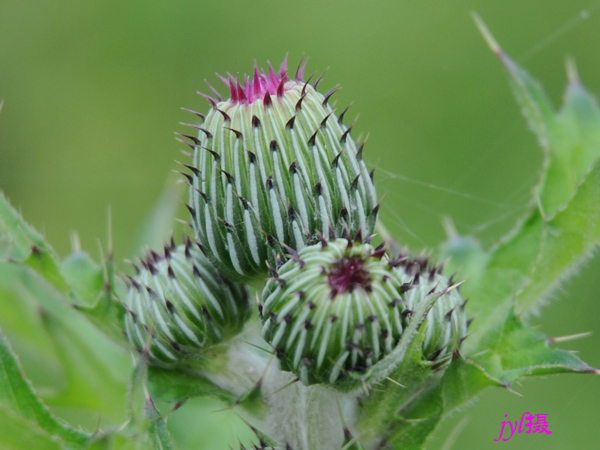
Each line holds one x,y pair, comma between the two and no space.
263,84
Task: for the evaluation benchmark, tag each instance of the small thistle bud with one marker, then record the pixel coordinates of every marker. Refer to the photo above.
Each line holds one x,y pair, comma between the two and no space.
273,165
337,309
178,304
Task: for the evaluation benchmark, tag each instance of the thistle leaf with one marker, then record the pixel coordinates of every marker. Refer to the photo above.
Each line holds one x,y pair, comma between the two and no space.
23,244
20,405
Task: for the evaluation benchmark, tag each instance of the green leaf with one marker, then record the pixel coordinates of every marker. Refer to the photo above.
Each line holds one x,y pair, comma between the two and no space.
93,292
406,408
517,351
17,395
158,427
176,387
563,224
17,433
26,245
88,285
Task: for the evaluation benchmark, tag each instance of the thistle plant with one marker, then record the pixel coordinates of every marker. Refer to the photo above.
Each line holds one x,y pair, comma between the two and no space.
272,167
288,302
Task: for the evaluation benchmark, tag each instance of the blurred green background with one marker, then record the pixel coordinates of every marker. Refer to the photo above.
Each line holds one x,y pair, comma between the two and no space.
92,94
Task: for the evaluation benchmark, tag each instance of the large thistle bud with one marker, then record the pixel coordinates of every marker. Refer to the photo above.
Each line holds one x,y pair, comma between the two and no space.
339,307
274,165
178,305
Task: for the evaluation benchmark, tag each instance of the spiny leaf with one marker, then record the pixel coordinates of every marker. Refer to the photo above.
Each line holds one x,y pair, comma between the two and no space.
177,386
563,224
158,426
27,246
517,350
17,395
406,408
17,433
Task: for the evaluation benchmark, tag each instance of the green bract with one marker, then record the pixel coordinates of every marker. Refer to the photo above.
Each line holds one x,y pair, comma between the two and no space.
178,304
337,308
274,165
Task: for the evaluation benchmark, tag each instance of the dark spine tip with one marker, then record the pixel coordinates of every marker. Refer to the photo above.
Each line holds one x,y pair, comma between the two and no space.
267,100
230,178
290,123
318,188
359,153
324,121
328,95
318,81
313,139
194,139
341,118
336,160
206,132
196,113
191,210
345,135
213,102
252,157
238,134
226,117
255,122
274,146
298,106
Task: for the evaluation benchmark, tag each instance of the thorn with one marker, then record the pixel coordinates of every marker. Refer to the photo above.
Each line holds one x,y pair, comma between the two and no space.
572,75
193,169
298,106
487,35
321,237
313,138
217,93
354,184
212,152
572,337
301,68
306,84
238,134
194,139
290,123
329,93
358,237
267,100
335,161
226,117
316,84
273,146
345,135
230,178
359,152
255,122
324,121
213,102
196,113
341,118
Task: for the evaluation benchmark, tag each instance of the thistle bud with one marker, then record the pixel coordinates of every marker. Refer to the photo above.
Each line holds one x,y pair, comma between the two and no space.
178,305
274,165
337,308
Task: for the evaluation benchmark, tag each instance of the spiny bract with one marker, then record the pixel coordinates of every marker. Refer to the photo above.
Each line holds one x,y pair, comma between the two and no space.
274,165
178,304
337,308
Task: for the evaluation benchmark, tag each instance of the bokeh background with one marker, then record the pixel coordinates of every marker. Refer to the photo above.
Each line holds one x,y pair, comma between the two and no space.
92,94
